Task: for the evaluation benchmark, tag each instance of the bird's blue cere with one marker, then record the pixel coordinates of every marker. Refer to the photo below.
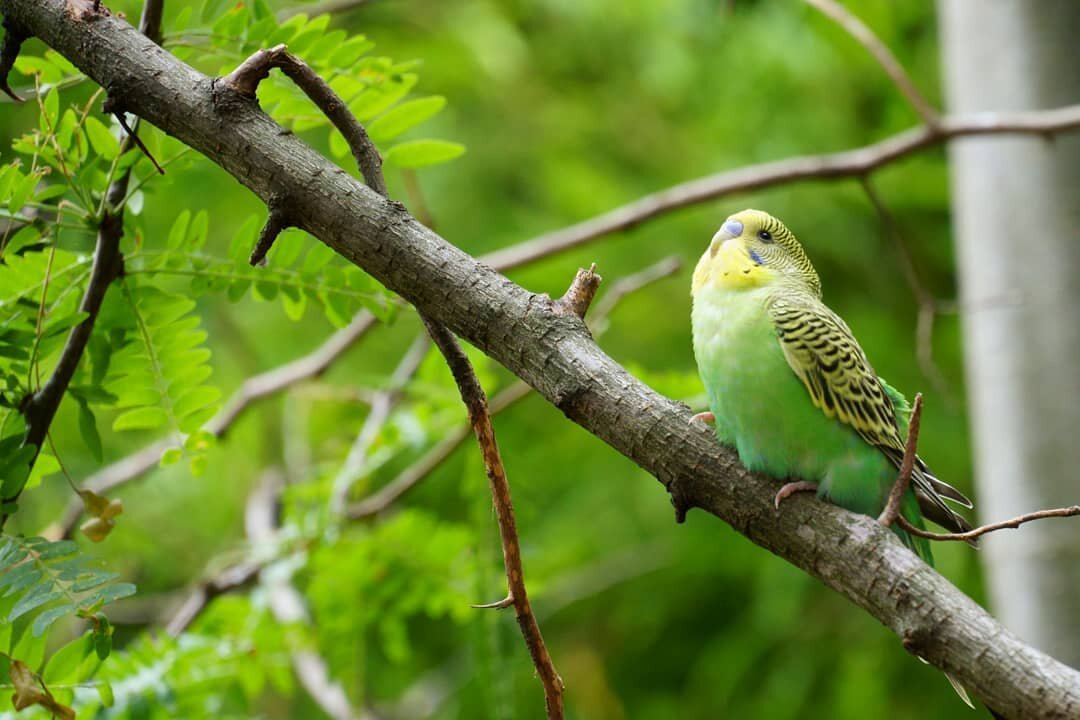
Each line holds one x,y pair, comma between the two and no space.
733,228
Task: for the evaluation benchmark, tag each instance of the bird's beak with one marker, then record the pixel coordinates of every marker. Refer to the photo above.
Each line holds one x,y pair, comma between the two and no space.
728,231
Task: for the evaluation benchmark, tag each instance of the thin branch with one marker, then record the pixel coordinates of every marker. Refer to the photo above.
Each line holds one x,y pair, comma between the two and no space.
108,265
833,166
884,57
517,595
928,305
411,476
381,407
230,579
245,79
119,115
288,607
1071,511
254,389
903,481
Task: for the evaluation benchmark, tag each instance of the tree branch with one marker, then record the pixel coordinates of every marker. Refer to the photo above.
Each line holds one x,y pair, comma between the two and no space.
382,405
881,53
517,595
891,512
1071,511
833,166
41,407
554,353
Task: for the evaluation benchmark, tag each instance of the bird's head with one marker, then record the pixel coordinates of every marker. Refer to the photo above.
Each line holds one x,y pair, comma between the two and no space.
754,249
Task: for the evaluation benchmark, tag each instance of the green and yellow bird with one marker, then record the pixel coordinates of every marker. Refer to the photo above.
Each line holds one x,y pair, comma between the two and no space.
790,388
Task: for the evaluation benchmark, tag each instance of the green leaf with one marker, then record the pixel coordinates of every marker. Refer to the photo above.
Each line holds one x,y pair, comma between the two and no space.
404,117
107,595
171,456
178,232
105,691
66,664
418,153
37,597
89,431
47,618
103,141
142,418
51,104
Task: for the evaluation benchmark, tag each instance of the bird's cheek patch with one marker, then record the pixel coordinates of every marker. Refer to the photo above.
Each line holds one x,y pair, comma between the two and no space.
736,267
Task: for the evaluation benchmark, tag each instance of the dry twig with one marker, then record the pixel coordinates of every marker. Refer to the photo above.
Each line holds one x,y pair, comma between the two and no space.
903,481
517,595
1070,511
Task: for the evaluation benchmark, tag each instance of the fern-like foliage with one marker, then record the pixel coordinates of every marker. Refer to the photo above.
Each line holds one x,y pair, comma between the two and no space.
159,367
42,581
376,89
319,278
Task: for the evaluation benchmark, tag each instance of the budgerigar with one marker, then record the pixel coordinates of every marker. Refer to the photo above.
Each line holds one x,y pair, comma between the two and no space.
790,388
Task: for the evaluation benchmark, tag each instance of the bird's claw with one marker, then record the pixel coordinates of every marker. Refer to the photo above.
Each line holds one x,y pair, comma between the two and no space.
704,417
790,489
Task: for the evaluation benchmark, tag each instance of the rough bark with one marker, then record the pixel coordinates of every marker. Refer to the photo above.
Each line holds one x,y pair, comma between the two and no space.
1016,216
555,354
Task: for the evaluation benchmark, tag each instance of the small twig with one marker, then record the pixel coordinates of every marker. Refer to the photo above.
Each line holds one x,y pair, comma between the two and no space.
580,294
138,141
276,223
903,481
857,29
1071,511
247,76
497,605
472,394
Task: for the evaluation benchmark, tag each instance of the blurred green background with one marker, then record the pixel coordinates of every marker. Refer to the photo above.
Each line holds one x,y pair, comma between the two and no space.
567,109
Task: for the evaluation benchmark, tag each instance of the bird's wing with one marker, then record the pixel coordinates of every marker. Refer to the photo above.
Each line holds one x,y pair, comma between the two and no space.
822,352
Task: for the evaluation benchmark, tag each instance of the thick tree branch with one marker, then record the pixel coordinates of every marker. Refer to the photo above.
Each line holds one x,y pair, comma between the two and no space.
554,353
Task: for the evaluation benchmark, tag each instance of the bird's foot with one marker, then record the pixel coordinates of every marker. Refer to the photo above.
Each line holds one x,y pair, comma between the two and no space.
704,417
791,488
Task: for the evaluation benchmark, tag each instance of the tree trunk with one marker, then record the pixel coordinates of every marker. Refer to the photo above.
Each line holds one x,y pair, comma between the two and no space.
1016,216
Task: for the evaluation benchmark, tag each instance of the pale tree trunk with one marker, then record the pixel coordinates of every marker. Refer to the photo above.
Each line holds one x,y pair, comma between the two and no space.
1016,209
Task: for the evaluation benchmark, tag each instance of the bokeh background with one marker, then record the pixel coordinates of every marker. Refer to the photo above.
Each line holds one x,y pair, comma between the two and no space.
567,109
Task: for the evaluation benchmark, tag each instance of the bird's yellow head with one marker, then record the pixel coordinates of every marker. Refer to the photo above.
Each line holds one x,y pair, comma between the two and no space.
753,249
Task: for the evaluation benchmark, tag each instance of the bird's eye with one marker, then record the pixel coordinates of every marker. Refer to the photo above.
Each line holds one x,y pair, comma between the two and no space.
765,236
